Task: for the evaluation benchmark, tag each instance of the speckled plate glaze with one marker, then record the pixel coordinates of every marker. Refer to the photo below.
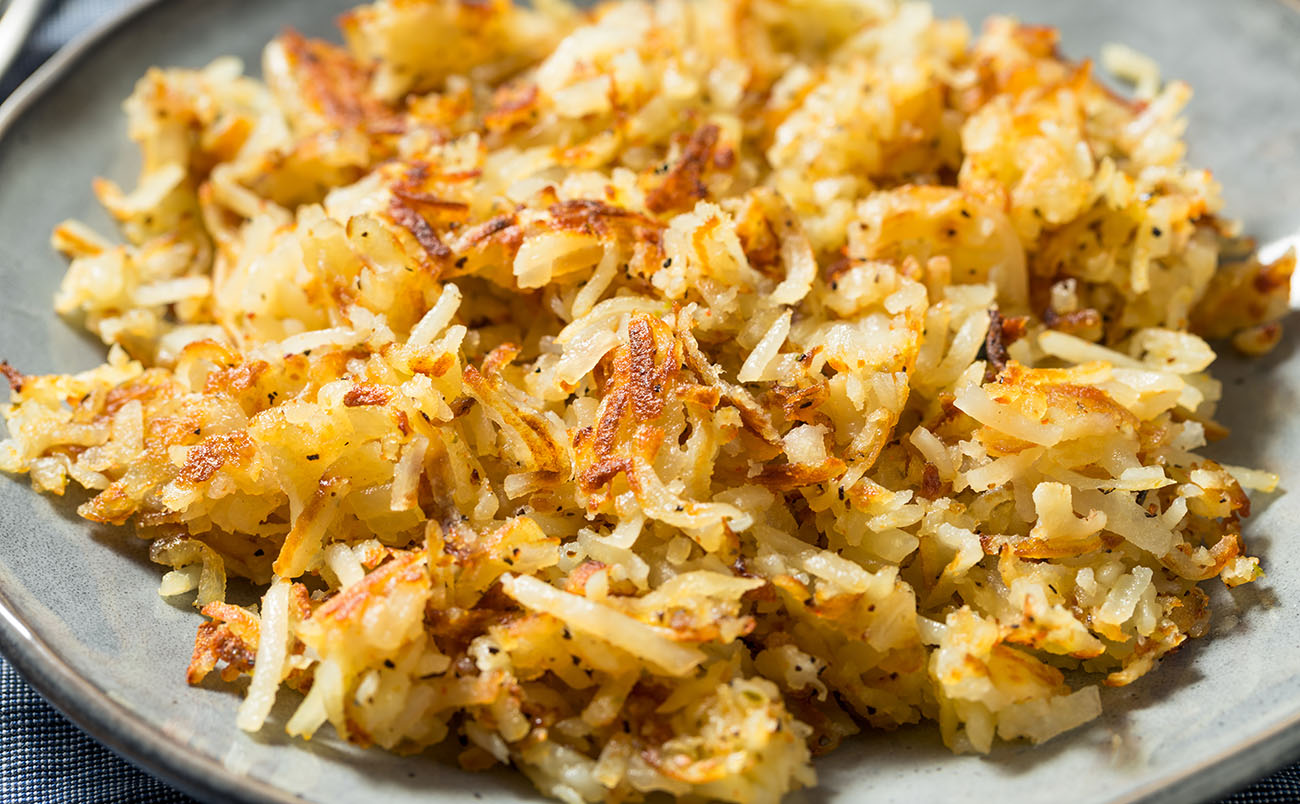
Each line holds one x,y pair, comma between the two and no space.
80,617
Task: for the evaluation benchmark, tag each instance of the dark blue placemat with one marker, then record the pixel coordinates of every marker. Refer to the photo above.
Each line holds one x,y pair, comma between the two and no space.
43,757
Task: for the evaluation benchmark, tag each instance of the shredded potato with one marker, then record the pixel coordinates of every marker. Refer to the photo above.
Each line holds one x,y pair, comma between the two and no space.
652,397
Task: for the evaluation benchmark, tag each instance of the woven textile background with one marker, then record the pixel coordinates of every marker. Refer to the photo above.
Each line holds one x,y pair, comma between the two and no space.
44,759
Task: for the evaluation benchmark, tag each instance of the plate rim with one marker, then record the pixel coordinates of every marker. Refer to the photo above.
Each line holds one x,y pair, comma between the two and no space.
142,744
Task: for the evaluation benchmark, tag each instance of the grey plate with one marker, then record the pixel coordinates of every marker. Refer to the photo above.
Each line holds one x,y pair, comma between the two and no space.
80,618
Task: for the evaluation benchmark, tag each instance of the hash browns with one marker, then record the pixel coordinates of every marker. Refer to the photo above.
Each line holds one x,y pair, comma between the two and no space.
652,397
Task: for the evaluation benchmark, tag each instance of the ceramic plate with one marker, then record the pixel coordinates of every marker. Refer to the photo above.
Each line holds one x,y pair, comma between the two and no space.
80,617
